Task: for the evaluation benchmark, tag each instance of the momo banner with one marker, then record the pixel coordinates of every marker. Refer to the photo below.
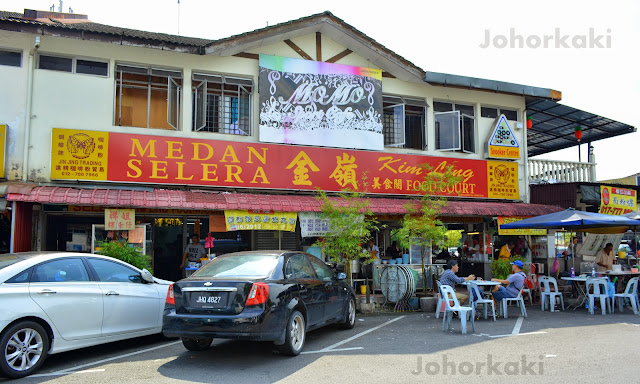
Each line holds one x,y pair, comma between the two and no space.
167,160
321,104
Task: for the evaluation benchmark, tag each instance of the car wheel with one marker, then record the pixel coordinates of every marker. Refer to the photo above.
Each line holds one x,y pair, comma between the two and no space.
295,335
197,344
24,347
349,316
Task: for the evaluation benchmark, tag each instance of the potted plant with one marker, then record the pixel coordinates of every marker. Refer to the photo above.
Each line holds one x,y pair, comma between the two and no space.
350,225
501,268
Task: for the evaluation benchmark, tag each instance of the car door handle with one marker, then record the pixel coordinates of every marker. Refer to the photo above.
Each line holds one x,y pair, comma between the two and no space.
46,292
112,293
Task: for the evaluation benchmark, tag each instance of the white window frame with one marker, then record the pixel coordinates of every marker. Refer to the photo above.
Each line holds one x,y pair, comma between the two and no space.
459,142
74,63
172,86
399,130
199,89
13,51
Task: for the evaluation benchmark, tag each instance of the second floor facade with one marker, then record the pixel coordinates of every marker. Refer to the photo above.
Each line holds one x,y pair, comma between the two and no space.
193,90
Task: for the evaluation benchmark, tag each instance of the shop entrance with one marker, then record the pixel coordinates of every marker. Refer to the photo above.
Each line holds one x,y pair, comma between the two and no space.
168,245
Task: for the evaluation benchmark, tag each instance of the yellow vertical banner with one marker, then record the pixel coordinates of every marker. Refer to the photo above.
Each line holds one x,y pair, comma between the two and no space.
502,180
79,155
3,143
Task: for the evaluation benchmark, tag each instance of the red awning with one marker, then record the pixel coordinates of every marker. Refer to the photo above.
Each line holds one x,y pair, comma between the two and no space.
176,199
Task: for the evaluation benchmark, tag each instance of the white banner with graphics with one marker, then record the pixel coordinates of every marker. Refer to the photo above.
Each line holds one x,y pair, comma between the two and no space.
321,104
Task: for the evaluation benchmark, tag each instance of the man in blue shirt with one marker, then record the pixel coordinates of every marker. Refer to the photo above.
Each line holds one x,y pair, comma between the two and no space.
514,283
450,278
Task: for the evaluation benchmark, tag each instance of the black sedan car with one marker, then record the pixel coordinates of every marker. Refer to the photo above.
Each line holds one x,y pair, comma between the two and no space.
259,295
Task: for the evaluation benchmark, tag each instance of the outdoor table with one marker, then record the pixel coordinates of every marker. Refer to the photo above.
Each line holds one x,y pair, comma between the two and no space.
481,284
623,276
580,284
189,270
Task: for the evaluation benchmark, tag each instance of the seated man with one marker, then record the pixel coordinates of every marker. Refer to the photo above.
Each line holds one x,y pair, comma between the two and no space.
514,283
449,278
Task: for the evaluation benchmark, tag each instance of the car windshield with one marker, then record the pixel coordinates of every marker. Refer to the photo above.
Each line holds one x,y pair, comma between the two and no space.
245,266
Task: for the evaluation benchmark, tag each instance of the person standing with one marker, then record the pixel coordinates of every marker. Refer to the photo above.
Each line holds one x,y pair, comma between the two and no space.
605,258
193,252
373,249
505,251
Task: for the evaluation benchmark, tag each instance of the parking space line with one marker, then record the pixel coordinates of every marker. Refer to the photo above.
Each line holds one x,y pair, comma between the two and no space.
516,328
518,334
331,350
80,367
331,347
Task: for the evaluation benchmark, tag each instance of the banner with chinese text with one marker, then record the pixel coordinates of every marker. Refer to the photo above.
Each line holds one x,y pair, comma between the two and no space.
239,220
318,103
617,201
146,159
313,224
117,219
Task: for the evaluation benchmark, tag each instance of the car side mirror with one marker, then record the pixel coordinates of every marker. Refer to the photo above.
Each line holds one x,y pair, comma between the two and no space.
342,276
147,277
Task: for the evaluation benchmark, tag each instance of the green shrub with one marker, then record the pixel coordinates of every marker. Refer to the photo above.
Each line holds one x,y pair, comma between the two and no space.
123,250
501,269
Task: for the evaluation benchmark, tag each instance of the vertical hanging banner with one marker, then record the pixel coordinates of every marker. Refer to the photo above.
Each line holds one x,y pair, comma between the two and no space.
240,220
3,142
321,104
617,201
117,219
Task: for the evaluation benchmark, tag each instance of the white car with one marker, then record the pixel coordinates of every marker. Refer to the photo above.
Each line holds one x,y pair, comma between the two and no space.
53,302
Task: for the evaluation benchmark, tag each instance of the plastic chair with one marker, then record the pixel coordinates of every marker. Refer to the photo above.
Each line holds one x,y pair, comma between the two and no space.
597,288
550,285
473,287
463,312
518,300
439,304
631,293
531,287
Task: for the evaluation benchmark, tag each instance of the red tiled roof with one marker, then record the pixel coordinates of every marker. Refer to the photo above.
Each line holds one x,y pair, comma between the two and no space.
167,199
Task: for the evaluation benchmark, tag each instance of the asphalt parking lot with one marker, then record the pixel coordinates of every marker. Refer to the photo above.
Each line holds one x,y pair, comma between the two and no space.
382,348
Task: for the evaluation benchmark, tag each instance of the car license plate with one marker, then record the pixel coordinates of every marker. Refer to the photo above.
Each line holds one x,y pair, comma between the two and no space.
209,300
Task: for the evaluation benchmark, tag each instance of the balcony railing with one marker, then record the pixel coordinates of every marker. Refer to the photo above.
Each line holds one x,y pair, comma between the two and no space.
553,171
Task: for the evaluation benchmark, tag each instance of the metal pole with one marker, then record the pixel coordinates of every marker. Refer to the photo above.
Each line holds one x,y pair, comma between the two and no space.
579,158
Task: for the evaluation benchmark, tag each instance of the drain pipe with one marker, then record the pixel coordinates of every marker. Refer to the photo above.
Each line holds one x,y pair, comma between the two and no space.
27,122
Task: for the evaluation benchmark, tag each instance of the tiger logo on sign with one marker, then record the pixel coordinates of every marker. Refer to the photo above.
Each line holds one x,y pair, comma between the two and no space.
502,173
80,145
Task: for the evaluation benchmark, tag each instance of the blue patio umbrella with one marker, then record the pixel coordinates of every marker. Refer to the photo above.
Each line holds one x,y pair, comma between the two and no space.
572,219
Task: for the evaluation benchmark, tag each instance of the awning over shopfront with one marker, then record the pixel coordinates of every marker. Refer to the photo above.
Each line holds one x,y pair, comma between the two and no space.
177,199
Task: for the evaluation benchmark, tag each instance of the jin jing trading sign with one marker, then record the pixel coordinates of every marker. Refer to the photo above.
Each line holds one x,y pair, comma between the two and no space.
321,104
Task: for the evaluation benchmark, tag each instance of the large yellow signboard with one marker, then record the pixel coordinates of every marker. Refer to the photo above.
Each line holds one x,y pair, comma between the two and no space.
617,201
502,180
79,155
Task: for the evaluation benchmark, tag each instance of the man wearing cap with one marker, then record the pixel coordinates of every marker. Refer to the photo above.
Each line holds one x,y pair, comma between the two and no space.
514,283
449,278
